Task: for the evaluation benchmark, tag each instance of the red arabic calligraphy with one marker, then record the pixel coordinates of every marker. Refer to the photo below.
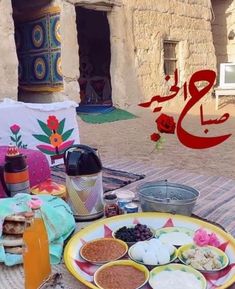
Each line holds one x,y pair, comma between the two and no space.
186,138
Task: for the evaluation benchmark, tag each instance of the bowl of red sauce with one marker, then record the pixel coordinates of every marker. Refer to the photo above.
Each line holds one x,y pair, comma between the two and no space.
121,274
103,250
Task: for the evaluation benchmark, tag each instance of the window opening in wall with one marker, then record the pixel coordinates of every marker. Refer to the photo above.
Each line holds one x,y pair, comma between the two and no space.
95,56
170,57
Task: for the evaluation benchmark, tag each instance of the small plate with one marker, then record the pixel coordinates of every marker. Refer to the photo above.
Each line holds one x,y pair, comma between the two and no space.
128,263
176,236
173,257
102,250
223,258
173,267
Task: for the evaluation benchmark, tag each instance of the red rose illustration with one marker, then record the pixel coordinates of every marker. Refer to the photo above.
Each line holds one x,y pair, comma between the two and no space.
15,128
166,123
52,122
155,137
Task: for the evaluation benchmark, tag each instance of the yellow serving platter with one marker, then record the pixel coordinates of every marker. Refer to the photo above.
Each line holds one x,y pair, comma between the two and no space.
84,271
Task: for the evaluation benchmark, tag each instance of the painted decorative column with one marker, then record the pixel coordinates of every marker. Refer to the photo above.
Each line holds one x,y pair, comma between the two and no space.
38,42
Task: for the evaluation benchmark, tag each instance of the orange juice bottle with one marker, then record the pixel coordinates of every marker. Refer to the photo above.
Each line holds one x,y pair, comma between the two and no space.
40,228
31,257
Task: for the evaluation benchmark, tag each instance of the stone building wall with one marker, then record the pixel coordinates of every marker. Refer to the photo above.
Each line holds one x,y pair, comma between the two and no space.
223,28
137,31
8,58
187,22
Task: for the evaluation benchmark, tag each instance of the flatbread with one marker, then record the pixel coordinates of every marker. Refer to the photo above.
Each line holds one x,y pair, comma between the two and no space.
13,228
14,250
11,240
15,224
16,218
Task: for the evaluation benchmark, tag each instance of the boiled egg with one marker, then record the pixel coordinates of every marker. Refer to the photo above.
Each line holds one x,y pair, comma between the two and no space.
137,252
170,248
150,258
155,242
163,255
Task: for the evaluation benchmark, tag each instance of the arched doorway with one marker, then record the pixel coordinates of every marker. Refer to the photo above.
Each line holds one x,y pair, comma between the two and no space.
95,57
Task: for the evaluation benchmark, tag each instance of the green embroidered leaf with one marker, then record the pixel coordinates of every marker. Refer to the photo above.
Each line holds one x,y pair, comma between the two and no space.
20,144
67,134
42,138
61,126
44,128
18,138
158,145
162,140
24,146
13,139
45,151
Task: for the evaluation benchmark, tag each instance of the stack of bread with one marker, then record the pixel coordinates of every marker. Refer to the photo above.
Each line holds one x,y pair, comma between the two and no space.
12,232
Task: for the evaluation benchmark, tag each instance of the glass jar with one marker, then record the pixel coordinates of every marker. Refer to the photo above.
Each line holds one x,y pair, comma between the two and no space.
111,207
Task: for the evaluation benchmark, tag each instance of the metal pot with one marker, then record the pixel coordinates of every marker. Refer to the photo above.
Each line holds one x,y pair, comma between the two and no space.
163,196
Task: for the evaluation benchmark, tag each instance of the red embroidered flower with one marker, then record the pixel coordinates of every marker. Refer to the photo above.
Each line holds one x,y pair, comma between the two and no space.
52,122
166,123
155,137
15,128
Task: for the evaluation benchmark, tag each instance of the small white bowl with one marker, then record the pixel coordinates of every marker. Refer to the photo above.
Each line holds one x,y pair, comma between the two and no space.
173,257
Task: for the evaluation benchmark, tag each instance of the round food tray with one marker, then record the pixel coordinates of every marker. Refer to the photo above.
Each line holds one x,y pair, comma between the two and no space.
84,271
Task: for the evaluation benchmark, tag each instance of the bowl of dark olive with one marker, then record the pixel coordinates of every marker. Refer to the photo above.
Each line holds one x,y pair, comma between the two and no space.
133,234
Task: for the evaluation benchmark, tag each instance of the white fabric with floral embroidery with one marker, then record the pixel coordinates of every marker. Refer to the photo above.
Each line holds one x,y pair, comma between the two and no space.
48,127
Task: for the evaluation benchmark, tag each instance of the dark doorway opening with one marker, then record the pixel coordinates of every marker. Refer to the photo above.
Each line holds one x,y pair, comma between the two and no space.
95,56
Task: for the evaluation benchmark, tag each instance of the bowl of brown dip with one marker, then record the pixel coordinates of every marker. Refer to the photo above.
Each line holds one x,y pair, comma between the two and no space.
121,274
103,250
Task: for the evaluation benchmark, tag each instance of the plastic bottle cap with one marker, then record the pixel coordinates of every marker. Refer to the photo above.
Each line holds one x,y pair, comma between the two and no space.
35,203
12,151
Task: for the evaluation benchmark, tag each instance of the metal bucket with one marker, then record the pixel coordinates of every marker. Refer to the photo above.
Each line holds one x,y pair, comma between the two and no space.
163,196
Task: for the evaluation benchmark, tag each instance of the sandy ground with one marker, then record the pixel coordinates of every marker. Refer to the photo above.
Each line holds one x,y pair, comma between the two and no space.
130,139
